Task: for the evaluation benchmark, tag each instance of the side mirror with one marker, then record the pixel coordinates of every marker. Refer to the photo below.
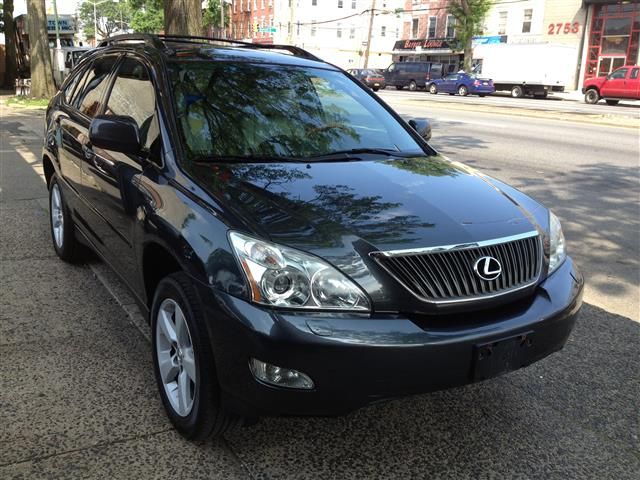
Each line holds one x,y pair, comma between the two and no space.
116,133
422,126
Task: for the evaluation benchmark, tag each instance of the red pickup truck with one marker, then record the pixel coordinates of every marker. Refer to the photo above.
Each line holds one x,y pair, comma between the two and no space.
622,84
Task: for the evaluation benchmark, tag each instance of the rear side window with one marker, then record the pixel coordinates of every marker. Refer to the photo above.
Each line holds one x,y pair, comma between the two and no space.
94,86
133,95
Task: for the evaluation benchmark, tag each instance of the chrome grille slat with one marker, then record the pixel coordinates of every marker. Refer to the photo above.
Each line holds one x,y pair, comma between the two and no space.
446,274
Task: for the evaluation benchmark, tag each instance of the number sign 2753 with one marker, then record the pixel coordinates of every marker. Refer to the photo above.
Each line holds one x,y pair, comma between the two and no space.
566,28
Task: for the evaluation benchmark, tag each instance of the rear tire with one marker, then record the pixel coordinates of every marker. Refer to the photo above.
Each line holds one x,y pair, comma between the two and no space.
463,91
433,89
517,92
591,96
413,86
612,102
61,224
182,351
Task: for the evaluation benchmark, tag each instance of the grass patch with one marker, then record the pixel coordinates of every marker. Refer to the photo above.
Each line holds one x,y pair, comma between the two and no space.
24,101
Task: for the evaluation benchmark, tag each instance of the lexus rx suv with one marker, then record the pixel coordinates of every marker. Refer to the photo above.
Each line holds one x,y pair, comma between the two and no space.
297,247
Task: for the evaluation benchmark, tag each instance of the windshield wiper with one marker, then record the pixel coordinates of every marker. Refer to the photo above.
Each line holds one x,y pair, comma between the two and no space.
242,159
389,152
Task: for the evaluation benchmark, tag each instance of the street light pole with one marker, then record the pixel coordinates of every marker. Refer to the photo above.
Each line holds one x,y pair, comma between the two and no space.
95,18
59,56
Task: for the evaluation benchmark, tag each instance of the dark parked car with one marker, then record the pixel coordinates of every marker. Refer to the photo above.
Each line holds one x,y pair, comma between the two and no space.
462,84
623,84
413,75
372,79
298,248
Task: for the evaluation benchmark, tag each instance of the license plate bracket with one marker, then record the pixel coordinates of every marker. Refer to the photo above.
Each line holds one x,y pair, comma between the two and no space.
503,355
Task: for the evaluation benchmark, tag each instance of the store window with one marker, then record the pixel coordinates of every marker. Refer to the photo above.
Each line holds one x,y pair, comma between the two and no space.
383,31
313,28
339,31
526,23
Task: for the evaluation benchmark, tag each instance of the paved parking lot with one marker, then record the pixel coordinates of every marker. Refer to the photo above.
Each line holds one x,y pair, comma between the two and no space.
78,398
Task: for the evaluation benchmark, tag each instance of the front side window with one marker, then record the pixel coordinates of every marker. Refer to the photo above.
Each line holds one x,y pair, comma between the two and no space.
133,95
248,111
94,85
622,73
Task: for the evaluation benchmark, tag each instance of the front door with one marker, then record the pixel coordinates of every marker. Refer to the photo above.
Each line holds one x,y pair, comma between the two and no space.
615,86
448,85
111,178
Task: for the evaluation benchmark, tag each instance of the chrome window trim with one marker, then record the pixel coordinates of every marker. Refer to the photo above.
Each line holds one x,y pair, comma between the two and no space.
460,246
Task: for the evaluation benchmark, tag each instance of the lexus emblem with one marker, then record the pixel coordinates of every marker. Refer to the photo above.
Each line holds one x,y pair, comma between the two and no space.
487,268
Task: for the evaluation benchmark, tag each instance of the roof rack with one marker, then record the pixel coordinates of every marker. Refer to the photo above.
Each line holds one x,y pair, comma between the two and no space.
157,41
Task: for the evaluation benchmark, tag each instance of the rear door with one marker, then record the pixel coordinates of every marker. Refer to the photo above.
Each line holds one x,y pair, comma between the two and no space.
614,86
74,129
110,178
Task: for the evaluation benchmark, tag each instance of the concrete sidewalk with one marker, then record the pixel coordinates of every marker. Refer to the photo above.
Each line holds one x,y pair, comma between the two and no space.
78,398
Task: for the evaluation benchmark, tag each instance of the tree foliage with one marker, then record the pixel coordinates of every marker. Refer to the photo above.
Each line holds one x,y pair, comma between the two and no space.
111,16
211,14
148,16
469,15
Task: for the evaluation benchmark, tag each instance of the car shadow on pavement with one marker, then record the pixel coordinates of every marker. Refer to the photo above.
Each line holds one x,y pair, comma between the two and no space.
572,415
599,203
445,142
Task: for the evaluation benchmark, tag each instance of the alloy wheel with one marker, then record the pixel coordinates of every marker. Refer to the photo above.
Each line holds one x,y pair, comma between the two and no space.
57,216
176,358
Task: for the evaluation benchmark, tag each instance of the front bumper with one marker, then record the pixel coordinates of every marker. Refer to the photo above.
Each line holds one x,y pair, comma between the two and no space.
357,359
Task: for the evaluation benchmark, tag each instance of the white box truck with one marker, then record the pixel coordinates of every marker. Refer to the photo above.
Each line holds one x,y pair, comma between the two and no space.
526,69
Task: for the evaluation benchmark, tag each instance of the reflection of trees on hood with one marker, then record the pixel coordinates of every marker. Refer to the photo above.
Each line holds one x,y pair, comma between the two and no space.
333,211
240,109
435,166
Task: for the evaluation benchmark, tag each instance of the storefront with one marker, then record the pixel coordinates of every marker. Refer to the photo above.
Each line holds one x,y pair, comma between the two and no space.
613,37
439,50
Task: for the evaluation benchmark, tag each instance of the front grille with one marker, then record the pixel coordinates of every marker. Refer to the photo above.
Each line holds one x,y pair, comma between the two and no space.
446,274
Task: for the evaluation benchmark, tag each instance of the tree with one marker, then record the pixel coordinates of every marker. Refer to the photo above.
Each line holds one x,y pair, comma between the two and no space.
10,44
183,17
111,17
42,84
211,15
469,15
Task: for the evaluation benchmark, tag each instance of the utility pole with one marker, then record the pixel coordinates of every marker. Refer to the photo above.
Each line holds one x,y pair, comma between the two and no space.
366,52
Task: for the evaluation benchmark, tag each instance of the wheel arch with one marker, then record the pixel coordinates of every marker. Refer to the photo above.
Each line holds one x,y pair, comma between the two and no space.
158,261
48,168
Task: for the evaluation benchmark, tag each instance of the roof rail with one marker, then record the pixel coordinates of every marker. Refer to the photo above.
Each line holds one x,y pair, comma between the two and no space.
157,42
147,38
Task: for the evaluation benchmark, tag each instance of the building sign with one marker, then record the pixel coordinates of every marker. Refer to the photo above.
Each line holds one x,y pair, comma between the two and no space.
426,44
65,24
489,39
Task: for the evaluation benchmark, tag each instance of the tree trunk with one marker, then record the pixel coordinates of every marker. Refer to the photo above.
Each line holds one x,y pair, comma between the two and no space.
42,85
468,55
183,17
11,66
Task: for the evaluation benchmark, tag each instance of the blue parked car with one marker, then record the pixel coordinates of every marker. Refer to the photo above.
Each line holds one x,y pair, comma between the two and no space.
463,84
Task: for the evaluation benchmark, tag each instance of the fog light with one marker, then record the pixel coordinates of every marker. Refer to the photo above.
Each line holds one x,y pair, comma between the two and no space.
279,376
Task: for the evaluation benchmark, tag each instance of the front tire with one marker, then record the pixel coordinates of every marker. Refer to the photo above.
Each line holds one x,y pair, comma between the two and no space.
433,89
399,87
183,361
413,86
463,91
62,227
517,92
591,96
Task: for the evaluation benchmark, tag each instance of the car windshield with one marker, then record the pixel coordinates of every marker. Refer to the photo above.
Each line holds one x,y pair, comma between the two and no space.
243,110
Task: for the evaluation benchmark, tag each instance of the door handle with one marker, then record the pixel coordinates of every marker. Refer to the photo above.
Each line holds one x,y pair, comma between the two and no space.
88,152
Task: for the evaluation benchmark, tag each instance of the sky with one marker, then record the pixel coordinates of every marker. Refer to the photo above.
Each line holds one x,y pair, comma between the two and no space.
64,6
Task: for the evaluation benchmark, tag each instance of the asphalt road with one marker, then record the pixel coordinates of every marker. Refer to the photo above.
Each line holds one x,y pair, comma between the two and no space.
553,103
78,398
588,174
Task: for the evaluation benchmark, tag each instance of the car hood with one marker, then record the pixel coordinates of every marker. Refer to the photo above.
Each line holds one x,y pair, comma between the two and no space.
389,204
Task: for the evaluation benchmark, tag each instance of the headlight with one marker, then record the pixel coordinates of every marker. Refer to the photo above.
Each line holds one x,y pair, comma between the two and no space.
557,252
284,277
